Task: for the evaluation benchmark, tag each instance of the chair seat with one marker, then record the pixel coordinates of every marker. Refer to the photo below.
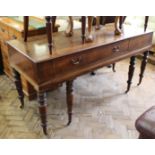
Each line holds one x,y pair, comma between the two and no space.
145,124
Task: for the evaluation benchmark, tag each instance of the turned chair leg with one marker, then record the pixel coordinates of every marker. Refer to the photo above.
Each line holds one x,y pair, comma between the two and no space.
26,27
49,32
83,21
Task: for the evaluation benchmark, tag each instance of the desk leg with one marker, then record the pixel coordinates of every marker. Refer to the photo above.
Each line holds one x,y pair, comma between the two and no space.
131,72
18,84
69,91
113,67
42,111
143,66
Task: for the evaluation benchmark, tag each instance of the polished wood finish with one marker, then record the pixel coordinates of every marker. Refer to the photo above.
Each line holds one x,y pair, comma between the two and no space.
70,58
50,27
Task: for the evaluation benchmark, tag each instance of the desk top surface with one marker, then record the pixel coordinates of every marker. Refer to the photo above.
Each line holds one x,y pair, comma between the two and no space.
36,49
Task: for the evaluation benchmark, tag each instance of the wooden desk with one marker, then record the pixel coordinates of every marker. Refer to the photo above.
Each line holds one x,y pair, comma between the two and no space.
71,58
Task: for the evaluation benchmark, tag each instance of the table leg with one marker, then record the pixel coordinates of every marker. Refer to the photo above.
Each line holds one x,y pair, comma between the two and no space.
131,72
93,73
69,91
18,84
49,32
143,66
83,21
113,67
43,111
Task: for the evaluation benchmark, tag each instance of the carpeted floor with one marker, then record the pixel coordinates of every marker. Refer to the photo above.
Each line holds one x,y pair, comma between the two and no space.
101,109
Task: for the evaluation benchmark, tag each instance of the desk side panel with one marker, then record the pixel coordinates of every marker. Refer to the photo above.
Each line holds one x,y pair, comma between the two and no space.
23,65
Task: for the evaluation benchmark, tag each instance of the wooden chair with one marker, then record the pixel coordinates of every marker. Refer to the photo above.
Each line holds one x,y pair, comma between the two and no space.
50,27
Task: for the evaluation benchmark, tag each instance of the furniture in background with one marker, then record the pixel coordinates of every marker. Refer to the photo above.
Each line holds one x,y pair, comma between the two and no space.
145,124
12,28
71,59
1,63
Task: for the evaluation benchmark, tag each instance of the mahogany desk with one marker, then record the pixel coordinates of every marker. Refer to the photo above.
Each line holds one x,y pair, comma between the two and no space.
70,59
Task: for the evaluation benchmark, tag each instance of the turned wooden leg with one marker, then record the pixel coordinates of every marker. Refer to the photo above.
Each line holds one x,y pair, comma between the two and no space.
89,37
121,21
146,22
83,21
97,27
69,30
26,25
131,72
117,29
113,67
43,111
18,84
49,32
69,91
54,23
143,66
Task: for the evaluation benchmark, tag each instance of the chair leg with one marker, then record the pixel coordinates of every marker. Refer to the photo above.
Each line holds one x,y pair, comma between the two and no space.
26,26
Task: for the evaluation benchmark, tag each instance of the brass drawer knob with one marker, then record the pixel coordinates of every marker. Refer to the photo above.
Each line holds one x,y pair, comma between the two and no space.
116,49
76,61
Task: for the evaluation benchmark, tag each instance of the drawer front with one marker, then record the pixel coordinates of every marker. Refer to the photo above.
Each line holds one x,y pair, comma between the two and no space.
140,42
72,62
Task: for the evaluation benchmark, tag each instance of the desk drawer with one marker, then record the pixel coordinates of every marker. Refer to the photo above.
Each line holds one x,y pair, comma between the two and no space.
140,42
71,62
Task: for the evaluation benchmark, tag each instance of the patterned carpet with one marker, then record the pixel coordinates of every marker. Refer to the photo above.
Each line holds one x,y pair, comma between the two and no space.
101,109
